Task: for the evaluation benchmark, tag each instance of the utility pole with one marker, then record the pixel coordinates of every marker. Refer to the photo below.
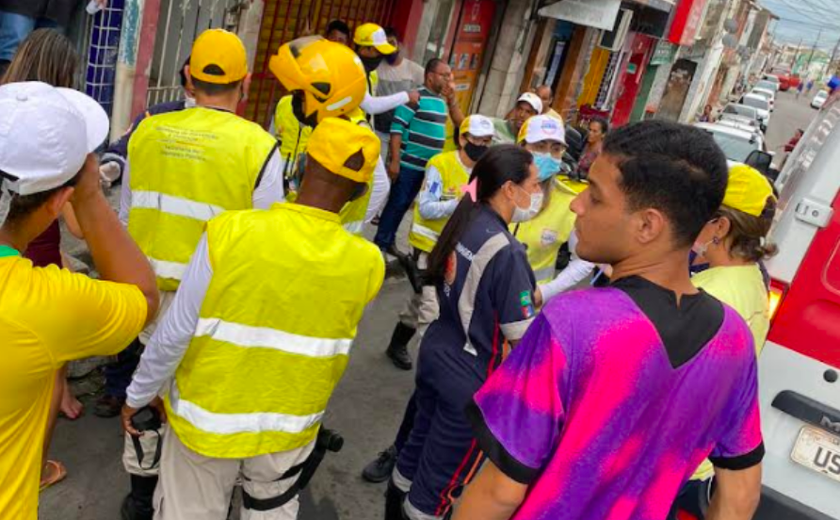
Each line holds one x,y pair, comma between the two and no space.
831,60
813,50
793,69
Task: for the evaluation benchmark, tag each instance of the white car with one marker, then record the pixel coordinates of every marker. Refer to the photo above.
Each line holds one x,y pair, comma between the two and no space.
740,123
737,143
767,94
819,99
761,106
799,367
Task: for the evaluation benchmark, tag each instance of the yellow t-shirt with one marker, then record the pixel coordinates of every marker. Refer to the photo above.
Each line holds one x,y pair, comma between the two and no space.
48,317
743,289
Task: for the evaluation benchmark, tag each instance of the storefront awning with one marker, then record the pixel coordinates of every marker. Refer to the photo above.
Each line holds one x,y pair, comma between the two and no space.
600,14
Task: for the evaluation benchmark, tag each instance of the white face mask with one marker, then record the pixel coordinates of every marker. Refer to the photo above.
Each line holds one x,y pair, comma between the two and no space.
522,215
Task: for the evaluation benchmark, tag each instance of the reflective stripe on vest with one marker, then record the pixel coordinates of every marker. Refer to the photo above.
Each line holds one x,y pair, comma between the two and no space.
268,351
250,337
187,167
171,270
547,232
424,233
232,423
174,205
354,227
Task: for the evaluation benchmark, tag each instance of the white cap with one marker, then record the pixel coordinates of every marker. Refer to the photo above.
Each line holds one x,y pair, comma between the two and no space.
477,126
533,100
46,134
542,128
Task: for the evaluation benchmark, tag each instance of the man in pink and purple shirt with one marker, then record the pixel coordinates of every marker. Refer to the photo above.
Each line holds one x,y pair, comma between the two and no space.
614,396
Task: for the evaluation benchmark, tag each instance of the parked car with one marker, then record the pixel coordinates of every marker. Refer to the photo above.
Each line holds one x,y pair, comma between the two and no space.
773,85
767,94
741,123
761,106
799,384
737,143
780,79
819,99
741,110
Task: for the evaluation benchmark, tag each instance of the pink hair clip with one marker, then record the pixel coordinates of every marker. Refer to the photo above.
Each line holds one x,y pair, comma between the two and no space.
470,189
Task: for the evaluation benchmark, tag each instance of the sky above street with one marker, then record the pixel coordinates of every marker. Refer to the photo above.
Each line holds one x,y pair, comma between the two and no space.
805,20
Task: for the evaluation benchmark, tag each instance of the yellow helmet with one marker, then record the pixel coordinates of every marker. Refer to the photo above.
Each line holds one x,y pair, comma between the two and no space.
327,79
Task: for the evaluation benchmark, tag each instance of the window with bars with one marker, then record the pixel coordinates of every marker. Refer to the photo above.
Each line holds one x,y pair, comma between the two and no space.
98,39
285,20
180,22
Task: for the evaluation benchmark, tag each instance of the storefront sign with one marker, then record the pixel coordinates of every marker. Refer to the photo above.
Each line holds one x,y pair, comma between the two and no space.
687,21
663,53
600,14
469,46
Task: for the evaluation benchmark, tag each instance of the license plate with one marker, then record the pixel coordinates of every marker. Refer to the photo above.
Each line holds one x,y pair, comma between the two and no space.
819,451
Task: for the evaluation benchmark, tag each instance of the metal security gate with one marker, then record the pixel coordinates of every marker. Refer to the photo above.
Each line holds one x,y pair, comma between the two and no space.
180,21
285,20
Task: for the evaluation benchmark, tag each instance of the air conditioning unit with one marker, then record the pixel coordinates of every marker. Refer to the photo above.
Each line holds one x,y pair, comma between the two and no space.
614,40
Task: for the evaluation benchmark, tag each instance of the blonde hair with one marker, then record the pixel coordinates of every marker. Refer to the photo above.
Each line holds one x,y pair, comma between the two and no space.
45,55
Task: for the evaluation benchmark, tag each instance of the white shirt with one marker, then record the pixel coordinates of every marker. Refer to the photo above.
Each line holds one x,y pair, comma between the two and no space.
574,273
377,105
429,203
170,341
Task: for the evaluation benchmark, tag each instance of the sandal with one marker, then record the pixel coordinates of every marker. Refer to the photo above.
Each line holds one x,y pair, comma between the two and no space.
59,473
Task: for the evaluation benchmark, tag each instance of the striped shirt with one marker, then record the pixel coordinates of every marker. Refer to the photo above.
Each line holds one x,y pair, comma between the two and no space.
423,130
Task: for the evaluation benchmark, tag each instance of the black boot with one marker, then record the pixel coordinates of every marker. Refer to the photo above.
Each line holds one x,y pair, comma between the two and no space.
394,499
380,469
138,504
398,348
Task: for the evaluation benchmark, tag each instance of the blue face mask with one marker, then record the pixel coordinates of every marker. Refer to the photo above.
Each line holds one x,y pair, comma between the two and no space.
547,165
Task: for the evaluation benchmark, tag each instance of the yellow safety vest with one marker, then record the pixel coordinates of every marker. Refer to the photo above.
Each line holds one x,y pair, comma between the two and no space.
187,167
548,231
353,213
269,349
293,137
424,233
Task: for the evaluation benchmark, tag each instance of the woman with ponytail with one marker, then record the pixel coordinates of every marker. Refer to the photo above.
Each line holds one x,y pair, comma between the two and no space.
733,243
485,289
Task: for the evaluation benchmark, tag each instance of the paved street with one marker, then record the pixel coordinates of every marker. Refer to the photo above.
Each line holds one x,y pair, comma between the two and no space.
790,114
366,409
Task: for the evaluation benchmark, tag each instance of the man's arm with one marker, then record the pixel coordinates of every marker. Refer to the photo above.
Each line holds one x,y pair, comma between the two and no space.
379,192
491,496
116,256
375,105
737,494
429,203
403,117
270,187
455,112
168,345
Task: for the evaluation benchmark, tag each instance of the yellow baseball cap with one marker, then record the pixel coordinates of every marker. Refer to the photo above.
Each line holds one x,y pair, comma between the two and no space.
371,35
335,140
747,190
222,49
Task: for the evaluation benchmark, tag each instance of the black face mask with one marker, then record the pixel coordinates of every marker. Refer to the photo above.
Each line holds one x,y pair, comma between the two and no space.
475,151
392,58
371,63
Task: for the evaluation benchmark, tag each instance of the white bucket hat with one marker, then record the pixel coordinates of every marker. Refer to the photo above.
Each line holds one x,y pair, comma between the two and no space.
46,134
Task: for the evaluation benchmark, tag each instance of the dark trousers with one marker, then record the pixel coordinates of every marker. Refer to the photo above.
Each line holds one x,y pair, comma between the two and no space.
118,373
441,455
694,499
403,192
406,425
